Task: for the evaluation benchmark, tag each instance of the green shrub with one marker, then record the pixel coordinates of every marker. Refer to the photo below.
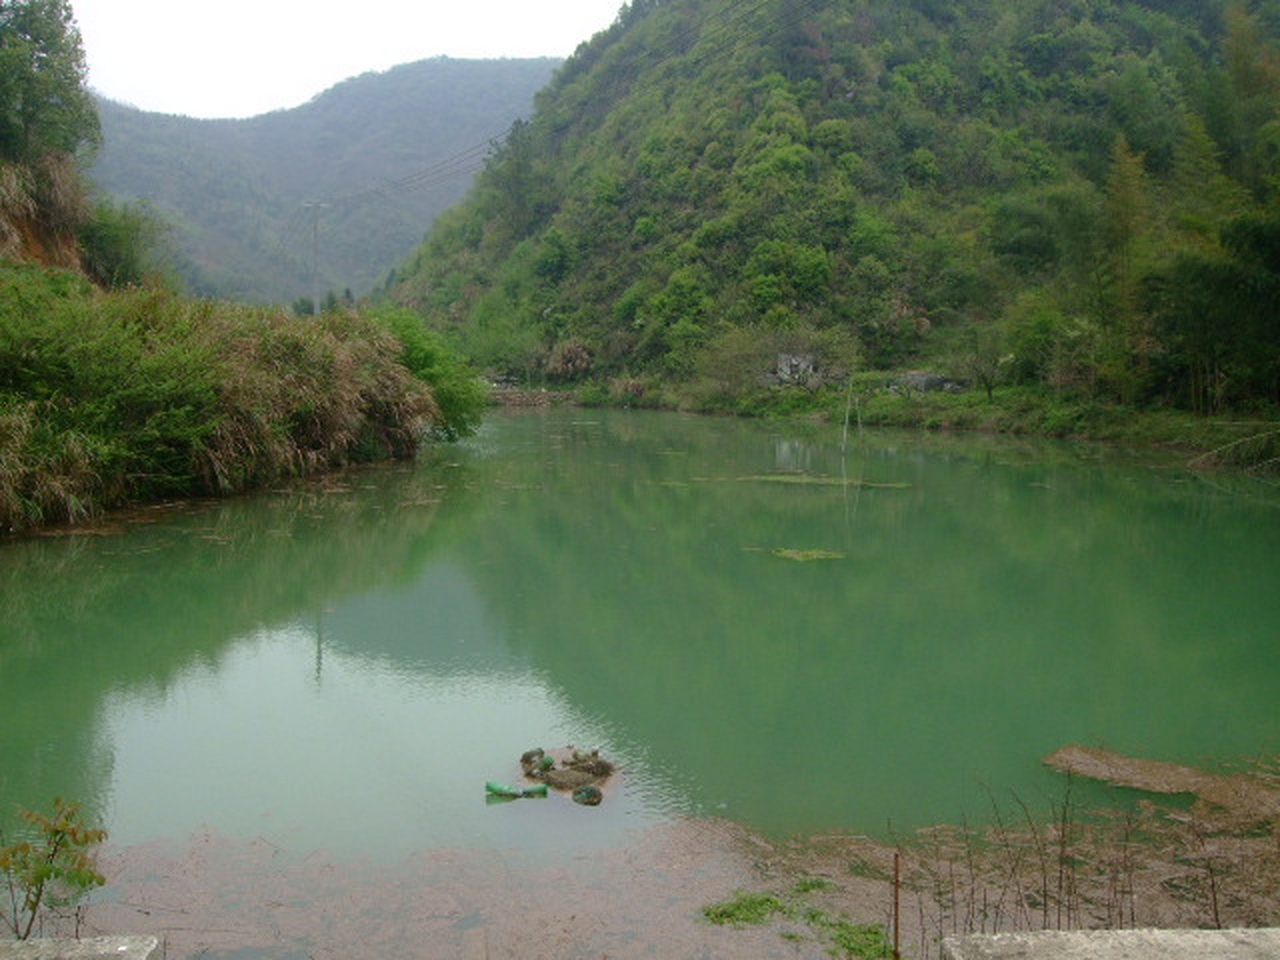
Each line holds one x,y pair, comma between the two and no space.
117,244
459,393
53,869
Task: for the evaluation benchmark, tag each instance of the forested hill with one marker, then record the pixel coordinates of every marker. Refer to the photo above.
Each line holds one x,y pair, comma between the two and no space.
1077,193
384,152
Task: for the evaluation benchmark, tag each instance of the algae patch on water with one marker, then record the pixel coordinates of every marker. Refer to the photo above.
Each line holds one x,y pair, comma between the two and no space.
805,556
815,480
799,556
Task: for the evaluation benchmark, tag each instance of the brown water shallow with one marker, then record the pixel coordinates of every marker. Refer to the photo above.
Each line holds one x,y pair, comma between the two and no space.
218,898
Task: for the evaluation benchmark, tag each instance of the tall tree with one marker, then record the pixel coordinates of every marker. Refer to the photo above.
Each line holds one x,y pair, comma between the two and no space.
1201,196
1219,312
44,104
1253,72
1126,341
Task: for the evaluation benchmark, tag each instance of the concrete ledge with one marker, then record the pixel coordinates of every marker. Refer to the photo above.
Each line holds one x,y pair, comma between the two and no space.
90,948
1251,944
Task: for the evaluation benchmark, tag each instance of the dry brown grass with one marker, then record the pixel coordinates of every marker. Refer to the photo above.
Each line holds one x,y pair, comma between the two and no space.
61,197
300,395
41,206
17,206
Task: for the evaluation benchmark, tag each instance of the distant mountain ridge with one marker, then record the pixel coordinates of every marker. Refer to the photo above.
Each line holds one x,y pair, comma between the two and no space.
327,196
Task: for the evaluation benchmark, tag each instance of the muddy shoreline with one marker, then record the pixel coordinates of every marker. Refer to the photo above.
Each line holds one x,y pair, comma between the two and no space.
1209,862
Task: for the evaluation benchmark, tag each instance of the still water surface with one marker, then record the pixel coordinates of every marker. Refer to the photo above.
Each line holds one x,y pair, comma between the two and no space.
752,623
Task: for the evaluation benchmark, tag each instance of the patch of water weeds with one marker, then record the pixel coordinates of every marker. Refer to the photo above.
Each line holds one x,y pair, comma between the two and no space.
805,556
800,555
840,935
816,480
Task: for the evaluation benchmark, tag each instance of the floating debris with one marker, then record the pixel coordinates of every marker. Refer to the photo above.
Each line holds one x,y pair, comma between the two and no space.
812,480
588,795
578,772
507,792
804,556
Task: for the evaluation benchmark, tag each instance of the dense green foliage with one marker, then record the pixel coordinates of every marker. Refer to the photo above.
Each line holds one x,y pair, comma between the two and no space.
121,245
459,394
47,119
44,106
48,125
1077,197
111,398
384,153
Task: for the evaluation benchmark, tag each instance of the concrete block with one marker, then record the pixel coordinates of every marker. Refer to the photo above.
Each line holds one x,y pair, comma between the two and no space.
89,948
1250,944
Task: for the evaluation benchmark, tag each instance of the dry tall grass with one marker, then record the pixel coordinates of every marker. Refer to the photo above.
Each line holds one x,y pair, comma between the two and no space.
1148,866
300,395
41,206
41,475
17,206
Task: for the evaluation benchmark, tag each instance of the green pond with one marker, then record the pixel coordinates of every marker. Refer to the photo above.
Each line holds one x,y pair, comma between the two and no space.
754,624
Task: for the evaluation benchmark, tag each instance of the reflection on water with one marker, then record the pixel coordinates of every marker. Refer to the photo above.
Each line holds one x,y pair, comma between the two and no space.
322,750
342,666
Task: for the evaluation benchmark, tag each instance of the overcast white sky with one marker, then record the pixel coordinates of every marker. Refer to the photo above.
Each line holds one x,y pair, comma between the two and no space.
239,58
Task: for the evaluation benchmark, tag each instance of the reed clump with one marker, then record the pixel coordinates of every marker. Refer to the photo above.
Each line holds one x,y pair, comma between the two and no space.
1145,866
110,399
1194,849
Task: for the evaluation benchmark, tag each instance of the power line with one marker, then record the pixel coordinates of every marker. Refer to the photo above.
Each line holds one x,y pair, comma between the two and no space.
474,158
315,208
292,231
464,162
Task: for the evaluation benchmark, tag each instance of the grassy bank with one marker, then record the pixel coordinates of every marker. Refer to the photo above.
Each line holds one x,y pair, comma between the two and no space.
108,399
1247,441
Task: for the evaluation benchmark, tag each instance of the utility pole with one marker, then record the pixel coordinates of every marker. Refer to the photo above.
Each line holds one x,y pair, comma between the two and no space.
315,206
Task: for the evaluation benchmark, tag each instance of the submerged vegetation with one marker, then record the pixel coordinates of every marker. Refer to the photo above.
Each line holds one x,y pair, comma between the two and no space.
1070,207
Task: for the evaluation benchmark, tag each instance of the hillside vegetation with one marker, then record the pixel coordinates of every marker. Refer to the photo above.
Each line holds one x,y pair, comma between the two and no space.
114,390
378,156
1075,198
